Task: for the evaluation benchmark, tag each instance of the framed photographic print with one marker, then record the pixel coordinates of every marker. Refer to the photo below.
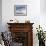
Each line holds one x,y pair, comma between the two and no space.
20,10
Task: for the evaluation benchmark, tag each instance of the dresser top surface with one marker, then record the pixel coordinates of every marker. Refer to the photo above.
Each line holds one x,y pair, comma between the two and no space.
19,23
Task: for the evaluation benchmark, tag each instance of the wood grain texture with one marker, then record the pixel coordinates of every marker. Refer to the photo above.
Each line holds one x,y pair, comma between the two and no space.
23,27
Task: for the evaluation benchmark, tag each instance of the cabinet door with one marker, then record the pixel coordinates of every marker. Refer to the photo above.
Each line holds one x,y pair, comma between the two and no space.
20,37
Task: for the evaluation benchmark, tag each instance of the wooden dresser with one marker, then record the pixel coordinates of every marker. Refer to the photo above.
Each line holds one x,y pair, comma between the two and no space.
22,33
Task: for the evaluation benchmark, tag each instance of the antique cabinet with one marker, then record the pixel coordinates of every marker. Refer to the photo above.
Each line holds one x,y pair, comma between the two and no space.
22,33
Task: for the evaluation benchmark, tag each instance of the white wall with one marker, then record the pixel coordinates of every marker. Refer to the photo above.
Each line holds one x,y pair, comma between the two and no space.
0,15
43,14
43,6
33,14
